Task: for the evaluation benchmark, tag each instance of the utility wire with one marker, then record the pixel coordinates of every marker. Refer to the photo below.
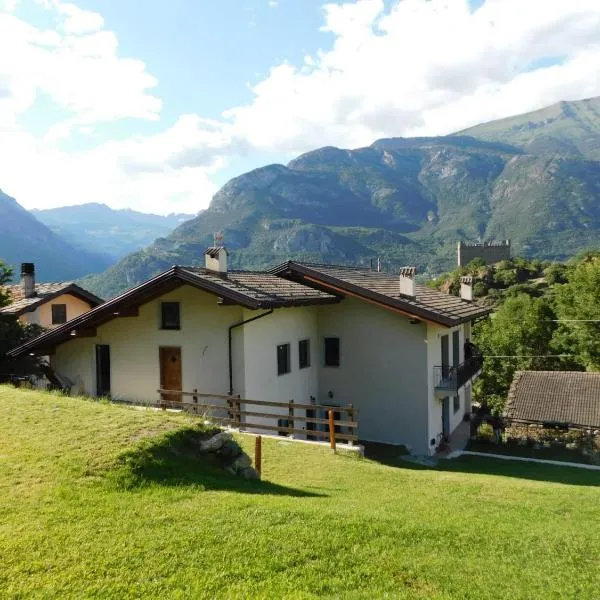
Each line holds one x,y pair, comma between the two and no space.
575,320
531,355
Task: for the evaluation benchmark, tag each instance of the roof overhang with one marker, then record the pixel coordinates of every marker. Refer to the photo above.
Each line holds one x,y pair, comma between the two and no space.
72,290
124,304
303,273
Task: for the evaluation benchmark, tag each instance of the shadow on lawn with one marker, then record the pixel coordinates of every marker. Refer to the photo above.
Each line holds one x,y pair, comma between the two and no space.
392,456
175,460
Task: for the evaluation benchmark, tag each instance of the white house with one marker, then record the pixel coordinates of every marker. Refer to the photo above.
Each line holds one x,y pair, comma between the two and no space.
317,334
48,305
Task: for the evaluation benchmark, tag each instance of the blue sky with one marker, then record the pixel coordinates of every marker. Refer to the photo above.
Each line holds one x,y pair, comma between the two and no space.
204,54
155,105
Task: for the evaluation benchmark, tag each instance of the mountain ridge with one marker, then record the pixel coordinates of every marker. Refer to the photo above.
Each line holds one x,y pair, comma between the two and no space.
112,232
406,200
25,239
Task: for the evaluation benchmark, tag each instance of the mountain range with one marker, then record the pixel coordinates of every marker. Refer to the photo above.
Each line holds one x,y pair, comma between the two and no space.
533,178
74,241
113,233
25,239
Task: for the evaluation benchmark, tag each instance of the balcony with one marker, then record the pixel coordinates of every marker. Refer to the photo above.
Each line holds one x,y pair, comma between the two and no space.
448,380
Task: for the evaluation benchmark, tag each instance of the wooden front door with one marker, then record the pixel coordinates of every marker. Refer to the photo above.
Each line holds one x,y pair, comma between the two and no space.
170,371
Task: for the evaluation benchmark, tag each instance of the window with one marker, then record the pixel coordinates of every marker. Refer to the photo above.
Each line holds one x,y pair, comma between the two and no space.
283,359
456,404
332,352
304,354
170,315
282,424
59,314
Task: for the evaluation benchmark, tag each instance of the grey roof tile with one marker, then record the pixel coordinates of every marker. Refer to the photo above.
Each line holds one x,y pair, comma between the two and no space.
385,287
265,288
569,397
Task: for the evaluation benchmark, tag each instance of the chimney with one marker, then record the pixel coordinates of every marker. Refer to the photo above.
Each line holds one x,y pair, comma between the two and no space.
28,280
215,259
466,288
407,281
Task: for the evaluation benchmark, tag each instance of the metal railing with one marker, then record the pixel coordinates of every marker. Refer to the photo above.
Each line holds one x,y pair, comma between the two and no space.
451,379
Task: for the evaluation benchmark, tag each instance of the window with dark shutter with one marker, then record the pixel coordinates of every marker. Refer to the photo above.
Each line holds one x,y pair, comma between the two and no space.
283,359
170,315
59,314
304,354
456,404
332,352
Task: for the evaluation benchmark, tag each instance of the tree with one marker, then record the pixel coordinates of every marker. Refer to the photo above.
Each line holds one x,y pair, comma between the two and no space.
519,332
13,333
578,305
5,276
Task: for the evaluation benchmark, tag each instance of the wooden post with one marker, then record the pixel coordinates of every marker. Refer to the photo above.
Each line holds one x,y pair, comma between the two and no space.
332,429
350,414
258,454
238,407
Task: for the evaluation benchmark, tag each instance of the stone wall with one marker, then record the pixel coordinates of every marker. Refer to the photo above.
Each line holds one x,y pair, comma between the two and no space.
490,252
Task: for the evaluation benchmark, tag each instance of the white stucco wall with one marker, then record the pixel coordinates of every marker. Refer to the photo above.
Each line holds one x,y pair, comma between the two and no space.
382,372
42,315
135,341
386,368
434,358
261,338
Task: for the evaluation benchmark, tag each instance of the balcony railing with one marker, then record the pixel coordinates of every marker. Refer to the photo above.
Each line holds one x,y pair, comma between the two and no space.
451,379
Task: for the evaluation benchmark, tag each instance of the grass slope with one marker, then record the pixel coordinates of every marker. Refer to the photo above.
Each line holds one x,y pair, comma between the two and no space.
98,500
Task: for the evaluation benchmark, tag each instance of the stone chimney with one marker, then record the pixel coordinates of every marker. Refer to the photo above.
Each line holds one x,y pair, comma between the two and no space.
216,259
28,280
407,281
466,288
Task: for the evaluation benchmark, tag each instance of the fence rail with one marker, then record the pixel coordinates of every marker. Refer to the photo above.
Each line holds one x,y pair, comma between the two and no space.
340,423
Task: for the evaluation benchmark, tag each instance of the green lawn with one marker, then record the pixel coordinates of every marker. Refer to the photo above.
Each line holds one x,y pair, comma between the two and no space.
99,500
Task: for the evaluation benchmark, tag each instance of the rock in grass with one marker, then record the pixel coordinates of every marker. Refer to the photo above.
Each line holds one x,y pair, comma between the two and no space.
241,462
230,449
249,473
216,442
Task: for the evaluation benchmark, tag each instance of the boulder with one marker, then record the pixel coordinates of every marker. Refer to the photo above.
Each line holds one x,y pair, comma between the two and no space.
243,461
249,473
216,442
230,449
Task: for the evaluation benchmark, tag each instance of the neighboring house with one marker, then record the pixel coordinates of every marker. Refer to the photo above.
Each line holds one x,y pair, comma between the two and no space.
309,333
46,304
555,398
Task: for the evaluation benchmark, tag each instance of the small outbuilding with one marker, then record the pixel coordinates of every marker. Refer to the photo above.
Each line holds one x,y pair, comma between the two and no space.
555,398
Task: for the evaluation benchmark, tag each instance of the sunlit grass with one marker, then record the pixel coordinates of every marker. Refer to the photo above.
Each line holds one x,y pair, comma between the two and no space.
108,501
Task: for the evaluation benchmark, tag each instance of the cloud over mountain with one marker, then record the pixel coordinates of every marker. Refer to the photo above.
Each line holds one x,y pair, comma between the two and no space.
416,67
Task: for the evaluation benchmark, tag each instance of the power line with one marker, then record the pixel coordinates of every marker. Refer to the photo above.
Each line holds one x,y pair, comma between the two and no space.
575,320
531,355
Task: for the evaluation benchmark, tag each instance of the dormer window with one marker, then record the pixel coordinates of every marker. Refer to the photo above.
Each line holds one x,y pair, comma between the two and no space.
170,315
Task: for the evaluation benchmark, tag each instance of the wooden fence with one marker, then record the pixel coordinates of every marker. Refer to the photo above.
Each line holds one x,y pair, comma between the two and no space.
339,424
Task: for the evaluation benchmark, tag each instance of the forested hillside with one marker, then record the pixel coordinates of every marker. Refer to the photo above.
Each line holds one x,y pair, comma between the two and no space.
533,179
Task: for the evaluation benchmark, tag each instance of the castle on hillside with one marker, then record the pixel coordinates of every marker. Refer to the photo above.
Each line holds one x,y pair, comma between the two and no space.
490,252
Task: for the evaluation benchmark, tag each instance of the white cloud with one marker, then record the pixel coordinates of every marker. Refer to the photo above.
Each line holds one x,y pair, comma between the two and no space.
421,67
426,67
77,20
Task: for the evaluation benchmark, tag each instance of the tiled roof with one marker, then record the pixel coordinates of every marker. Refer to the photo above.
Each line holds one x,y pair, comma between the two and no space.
566,397
264,288
254,290
43,292
384,288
